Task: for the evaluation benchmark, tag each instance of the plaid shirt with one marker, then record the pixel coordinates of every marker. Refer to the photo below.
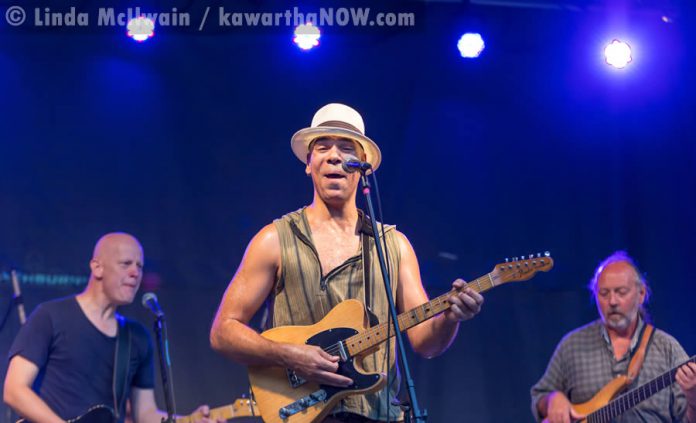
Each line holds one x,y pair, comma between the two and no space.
584,362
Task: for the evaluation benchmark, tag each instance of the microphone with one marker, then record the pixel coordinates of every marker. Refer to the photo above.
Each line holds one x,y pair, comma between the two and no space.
150,301
352,164
18,299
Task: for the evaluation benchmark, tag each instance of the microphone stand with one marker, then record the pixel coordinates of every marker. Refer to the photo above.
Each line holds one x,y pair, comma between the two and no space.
419,415
165,367
17,301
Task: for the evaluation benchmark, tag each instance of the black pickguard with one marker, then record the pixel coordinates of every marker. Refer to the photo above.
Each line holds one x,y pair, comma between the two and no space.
331,337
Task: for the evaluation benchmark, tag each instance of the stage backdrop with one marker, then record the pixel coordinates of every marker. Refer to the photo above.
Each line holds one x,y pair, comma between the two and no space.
184,141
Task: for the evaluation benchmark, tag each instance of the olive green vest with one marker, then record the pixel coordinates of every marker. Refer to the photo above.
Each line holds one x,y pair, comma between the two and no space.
301,296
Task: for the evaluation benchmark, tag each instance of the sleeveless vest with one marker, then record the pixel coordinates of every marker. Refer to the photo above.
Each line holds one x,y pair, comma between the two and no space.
303,296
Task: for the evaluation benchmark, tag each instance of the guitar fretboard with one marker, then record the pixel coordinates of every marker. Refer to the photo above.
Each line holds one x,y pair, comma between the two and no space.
380,333
240,408
630,399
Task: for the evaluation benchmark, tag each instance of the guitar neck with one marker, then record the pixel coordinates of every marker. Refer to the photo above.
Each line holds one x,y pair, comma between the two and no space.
240,408
630,399
376,335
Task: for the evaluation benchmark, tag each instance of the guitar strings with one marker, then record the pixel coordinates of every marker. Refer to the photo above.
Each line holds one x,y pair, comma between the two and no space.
483,284
623,403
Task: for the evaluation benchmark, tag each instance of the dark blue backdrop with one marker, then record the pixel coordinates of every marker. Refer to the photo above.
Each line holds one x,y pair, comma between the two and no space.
184,142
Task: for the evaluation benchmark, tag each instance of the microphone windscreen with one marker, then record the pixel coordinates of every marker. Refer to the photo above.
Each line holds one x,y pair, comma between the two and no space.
147,297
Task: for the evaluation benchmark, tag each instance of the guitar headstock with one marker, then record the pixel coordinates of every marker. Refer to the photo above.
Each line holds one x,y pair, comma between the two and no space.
521,268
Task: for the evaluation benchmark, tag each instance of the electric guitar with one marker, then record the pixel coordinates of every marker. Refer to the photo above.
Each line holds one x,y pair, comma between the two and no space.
241,407
283,396
97,414
603,409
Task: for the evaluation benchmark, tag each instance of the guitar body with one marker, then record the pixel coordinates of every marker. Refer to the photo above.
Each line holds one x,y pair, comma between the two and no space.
276,388
96,414
601,398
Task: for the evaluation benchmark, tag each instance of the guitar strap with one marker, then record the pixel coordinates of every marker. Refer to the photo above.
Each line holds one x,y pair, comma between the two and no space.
365,236
639,356
121,363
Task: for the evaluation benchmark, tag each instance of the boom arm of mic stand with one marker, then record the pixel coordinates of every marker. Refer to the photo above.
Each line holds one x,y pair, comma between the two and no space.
418,414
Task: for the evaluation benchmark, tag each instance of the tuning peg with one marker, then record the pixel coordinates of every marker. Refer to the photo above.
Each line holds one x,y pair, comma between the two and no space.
538,255
547,254
507,259
522,257
514,259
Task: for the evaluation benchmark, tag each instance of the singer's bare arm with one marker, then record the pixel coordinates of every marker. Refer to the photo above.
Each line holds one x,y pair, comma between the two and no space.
231,335
18,394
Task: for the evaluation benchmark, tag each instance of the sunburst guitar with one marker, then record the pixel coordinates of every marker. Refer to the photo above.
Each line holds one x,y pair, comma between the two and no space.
284,397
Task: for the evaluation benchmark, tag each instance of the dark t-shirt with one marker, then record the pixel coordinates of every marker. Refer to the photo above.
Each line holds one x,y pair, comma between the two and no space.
76,360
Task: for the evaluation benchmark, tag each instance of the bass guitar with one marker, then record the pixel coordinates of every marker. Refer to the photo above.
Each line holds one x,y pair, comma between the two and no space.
603,409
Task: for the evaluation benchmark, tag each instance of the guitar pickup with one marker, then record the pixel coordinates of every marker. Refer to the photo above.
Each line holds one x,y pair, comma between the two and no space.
342,351
302,404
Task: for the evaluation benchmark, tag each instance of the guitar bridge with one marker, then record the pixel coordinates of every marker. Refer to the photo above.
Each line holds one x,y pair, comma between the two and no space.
302,404
295,381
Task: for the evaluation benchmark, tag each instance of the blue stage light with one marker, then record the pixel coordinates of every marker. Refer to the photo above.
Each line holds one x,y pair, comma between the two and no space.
471,45
141,28
307,36
618,54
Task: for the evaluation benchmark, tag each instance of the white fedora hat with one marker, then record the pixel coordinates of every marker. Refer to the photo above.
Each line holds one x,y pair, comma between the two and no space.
337,120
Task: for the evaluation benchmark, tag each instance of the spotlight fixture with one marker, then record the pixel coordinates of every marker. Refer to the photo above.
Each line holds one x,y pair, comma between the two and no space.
470,45
618,54
141,28
307,36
